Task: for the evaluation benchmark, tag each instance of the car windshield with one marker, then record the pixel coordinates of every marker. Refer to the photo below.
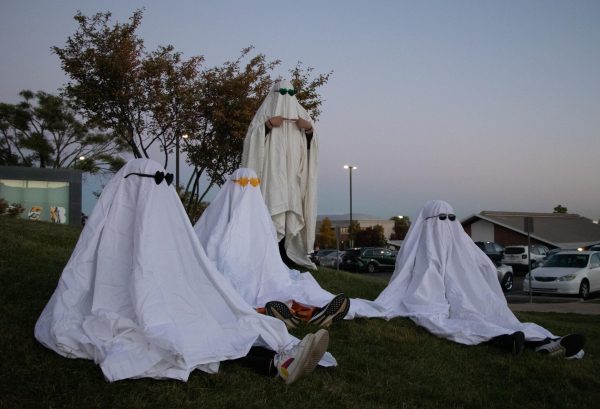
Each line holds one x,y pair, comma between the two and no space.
514,250
567,260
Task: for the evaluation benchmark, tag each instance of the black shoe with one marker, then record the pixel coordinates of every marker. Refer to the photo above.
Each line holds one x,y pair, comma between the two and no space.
518,343
281,311
573,344
515,342
332,312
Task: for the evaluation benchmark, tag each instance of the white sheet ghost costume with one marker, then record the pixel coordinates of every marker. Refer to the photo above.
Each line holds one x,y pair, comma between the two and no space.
446,284
140,297
237,234
287,170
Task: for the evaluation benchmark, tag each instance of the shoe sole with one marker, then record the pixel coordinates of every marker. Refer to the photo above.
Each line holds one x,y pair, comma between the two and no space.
281,311
311,355
333,312
319,347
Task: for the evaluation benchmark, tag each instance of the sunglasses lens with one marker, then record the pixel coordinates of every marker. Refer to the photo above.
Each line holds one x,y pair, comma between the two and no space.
282,91
452,217
442,216
291,92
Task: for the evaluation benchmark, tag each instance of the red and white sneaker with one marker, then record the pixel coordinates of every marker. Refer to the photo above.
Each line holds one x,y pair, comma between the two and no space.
303,357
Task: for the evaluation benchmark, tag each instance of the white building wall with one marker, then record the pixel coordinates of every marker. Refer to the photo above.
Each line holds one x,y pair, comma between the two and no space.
482,230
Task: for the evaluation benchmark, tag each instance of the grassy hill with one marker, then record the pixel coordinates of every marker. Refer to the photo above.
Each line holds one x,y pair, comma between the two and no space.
381,364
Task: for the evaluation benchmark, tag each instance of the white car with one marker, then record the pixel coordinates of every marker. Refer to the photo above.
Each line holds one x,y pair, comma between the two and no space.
516,256
567,272
505,276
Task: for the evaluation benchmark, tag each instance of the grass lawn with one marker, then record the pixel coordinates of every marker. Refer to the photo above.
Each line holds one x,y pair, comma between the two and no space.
381,364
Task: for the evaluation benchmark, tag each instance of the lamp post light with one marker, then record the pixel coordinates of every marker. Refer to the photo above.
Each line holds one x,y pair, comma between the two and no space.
76,164
184,136
350,168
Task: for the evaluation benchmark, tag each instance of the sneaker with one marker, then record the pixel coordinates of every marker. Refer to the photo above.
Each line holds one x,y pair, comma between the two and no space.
570,345
302,359
514,342
332,312
281,311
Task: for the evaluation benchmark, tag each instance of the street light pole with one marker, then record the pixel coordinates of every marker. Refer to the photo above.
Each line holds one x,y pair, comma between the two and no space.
184,136
350,168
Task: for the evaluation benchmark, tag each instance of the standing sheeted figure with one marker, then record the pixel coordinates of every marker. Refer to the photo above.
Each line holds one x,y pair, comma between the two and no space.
140,297
281,146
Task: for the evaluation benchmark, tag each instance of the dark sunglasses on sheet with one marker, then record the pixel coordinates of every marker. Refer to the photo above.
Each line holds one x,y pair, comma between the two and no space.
158,177
443,216
291,92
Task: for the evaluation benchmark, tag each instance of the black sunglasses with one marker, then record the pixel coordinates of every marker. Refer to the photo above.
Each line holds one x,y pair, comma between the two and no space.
443,216
284,91
158,177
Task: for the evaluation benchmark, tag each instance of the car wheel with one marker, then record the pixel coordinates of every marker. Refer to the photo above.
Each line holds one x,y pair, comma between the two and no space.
371,268
584,289
507,282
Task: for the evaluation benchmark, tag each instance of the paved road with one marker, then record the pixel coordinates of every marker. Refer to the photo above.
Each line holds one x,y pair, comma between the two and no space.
519,300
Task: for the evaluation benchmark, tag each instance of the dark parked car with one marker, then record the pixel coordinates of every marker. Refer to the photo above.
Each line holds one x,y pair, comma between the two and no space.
493,250
369,259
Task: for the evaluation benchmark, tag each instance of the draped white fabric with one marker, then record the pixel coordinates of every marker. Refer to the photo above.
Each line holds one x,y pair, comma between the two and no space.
237,234
446,284
288,171
140,297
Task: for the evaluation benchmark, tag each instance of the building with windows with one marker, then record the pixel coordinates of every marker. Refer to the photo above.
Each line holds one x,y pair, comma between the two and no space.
46,194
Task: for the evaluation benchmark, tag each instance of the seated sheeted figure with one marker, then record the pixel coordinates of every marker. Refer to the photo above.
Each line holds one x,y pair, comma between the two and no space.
140,297
237,233
447,285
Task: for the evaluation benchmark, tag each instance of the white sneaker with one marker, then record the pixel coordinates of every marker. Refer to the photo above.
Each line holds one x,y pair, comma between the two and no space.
302,358
570,345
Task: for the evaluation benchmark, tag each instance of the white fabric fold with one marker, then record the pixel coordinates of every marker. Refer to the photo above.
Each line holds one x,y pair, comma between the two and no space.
446,284
140,297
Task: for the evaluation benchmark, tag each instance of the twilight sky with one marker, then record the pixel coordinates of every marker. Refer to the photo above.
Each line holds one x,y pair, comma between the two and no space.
489,105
